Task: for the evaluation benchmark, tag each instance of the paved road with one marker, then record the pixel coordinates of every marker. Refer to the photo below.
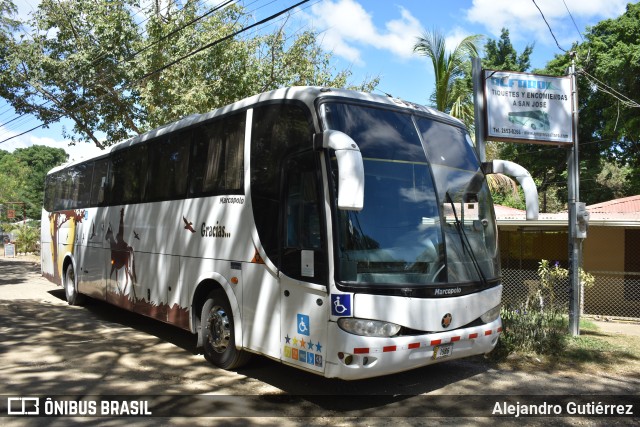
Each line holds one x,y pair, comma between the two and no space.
50,348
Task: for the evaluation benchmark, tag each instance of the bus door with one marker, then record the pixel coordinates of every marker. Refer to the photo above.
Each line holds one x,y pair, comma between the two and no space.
303,269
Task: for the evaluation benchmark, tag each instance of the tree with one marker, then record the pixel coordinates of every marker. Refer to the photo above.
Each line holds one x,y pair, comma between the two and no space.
90,61
501,55
22,175
74,64
448,67
608,63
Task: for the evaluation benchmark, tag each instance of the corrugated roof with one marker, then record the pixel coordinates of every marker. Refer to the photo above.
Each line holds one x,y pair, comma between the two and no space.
624,205
618,212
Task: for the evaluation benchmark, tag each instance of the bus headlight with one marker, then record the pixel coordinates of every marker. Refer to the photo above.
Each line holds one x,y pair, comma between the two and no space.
491,315
368,328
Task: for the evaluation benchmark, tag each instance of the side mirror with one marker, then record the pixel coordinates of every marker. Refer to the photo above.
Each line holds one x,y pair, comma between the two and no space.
350,168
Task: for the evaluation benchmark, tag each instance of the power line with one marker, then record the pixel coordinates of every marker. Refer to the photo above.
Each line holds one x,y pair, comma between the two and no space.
625,100
129,58
550,30
215,42
164,67
574,22
102,56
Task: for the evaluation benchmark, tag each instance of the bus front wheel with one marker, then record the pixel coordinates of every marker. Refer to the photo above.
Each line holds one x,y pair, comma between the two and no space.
218,333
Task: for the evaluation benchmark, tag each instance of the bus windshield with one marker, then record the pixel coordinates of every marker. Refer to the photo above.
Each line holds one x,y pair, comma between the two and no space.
427,217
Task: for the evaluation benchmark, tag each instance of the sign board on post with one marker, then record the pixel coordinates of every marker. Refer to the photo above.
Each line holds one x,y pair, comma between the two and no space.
528,108
10,250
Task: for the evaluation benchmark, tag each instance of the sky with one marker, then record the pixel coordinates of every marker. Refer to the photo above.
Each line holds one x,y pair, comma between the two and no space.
376,37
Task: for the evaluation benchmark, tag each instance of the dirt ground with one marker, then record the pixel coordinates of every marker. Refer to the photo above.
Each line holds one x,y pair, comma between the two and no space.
48,348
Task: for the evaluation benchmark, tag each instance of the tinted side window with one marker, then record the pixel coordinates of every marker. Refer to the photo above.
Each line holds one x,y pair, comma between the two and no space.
99,183
128,175
169,167
82,187
217,165
277,131
65,199
49,192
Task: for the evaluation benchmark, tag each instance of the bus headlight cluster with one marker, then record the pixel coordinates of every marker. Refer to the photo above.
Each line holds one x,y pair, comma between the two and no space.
368,328
491,315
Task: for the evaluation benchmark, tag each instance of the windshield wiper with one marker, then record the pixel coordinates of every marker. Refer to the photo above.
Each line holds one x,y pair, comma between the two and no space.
464,240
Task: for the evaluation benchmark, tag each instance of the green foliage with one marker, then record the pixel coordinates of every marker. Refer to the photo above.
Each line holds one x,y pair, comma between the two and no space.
501,55
530,328
550,276
75,59
538,325
450,95
505,197
91,63
22,175
27,237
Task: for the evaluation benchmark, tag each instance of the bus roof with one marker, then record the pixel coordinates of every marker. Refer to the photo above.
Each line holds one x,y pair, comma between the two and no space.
307,94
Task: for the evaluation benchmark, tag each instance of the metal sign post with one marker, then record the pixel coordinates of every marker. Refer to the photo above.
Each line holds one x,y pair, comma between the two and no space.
478,107
578,216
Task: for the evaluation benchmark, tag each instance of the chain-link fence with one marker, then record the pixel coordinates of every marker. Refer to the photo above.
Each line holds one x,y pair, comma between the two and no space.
614,294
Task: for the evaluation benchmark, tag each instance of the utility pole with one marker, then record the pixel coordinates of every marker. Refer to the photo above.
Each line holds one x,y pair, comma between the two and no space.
578,215
478,107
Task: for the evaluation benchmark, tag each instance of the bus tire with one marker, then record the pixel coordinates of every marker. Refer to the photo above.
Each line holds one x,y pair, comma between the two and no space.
218,336
71,288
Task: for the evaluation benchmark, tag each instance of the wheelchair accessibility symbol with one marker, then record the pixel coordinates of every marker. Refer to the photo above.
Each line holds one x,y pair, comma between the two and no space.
341,305
303,324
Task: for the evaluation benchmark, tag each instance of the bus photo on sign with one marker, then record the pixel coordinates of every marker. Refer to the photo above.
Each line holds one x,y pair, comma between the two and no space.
528,108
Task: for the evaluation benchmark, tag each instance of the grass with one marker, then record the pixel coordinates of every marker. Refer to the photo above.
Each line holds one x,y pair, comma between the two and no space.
593,350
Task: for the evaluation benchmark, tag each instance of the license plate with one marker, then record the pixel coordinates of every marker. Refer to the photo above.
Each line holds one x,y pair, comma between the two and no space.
442,351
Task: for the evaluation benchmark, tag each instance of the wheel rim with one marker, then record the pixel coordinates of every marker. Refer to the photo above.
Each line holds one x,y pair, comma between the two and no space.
219,330
70,282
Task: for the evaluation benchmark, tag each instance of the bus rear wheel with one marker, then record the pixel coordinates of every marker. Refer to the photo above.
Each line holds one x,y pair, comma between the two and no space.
70,288
218,333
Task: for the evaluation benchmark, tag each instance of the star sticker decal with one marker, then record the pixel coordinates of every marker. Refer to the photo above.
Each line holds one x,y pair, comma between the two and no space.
302,343
310,345
318,346
295,341
287,339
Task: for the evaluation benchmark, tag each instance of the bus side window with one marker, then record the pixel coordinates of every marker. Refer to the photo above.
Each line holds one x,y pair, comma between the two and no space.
217,165
169,169
84,177
99,183
49,192
129,175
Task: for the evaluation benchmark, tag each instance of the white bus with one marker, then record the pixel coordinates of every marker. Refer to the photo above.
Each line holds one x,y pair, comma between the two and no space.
343,233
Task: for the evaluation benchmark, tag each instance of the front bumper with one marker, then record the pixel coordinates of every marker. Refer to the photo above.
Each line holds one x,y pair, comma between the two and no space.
354,357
